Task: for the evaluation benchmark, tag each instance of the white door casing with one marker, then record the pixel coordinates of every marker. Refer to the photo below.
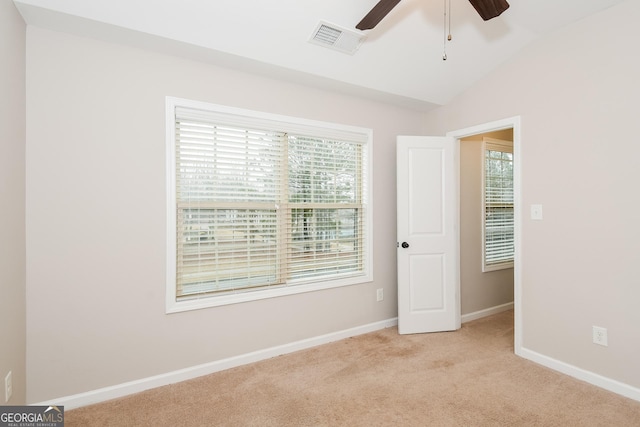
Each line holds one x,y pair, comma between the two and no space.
428,267
515,124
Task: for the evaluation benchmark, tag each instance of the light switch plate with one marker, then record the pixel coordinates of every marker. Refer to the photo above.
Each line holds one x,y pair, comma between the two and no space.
536,212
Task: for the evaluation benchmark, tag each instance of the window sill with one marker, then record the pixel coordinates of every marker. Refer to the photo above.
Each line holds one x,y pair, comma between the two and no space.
496,267
202,302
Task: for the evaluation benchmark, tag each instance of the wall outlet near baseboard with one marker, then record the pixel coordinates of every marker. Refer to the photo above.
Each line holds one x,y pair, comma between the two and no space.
379,294
600,336
8,387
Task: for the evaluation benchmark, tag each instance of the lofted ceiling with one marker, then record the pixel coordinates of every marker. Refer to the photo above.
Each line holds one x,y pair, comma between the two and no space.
400,61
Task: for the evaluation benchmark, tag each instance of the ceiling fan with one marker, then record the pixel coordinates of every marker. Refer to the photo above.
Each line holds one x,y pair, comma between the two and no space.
487,9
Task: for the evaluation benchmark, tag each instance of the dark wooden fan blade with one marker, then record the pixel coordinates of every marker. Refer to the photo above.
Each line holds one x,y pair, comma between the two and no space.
489,9
376,14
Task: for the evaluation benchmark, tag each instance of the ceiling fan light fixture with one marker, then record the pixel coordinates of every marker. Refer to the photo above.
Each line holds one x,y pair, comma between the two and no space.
487,9
337,38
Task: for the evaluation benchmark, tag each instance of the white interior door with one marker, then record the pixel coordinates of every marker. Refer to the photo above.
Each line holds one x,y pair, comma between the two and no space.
428,236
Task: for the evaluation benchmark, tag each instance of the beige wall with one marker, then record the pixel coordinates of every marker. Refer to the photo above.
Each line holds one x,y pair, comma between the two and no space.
95,204
96,217
478,291
12,185
577,94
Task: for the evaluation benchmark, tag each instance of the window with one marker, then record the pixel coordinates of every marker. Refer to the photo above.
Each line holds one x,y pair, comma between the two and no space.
262,205
498,226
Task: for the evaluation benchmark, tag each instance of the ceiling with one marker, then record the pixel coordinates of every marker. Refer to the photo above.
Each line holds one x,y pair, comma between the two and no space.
400,61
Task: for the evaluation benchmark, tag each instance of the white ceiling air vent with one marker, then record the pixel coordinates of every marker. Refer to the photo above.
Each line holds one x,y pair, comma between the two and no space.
334,37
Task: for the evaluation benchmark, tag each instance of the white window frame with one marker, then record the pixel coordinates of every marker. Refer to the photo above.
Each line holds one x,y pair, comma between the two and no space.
496,145
324,129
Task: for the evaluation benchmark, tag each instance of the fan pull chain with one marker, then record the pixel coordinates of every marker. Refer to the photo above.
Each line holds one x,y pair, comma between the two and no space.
446,28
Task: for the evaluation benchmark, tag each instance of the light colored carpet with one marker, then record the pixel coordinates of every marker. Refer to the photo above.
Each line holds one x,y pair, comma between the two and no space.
466,378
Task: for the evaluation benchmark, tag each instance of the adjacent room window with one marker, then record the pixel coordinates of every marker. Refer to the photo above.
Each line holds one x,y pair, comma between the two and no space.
262,205
498,226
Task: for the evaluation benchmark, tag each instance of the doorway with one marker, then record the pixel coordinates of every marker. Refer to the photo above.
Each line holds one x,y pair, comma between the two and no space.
500,129
486,225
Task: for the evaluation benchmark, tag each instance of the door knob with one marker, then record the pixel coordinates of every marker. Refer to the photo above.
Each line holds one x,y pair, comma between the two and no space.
405,245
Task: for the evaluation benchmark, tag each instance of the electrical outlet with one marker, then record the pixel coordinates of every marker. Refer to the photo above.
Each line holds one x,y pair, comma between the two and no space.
8,387
380,294
600,336
536,212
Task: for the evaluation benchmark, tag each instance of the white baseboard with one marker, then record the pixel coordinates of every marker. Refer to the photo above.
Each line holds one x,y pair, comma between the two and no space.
486,312
131,387
581,374
562,367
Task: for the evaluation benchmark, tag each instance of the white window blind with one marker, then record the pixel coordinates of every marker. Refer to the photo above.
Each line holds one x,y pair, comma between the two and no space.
262,203
227,181
324,224
498,211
